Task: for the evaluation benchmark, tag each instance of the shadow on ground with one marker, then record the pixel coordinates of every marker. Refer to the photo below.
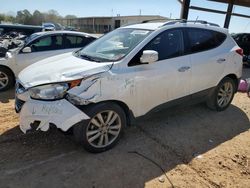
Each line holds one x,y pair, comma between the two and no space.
169,137
6,96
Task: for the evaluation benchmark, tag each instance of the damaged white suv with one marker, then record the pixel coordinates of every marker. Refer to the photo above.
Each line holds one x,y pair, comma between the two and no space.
127,73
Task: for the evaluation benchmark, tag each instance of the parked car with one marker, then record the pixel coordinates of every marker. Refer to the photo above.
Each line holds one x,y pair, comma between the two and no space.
127,73
243,40
37,47
52,26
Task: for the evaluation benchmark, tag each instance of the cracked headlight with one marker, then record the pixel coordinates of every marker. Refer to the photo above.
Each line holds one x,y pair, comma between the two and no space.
49,92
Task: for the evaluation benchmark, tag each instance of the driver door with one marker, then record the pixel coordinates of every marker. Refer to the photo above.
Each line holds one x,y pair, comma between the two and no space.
164,80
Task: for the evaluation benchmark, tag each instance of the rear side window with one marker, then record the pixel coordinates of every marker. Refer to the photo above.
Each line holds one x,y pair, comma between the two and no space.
202,39
76,41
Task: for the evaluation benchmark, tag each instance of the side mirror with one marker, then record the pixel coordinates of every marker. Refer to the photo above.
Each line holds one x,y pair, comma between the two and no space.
26,50
149,56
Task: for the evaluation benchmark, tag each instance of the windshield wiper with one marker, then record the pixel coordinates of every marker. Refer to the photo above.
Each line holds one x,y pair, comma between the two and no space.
84,56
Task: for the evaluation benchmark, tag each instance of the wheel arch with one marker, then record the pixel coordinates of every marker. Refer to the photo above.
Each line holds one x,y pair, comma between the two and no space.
129,114
234,78
6,67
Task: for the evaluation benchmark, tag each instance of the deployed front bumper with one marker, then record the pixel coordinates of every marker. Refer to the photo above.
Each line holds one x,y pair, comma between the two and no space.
61,113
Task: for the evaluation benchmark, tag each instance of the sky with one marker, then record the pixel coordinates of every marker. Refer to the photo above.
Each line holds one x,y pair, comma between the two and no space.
168,8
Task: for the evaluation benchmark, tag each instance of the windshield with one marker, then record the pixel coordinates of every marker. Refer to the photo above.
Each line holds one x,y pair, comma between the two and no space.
114,46
31,37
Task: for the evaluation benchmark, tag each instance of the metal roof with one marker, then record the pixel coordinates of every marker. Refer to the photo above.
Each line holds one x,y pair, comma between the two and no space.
245,3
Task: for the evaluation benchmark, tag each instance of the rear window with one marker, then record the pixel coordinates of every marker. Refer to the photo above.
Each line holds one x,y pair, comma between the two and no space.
202,39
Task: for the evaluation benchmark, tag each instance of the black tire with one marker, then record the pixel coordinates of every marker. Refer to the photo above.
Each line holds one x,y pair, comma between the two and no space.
11,80
215,96
81,129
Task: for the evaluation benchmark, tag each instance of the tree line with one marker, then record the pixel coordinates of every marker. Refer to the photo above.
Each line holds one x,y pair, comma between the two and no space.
37,18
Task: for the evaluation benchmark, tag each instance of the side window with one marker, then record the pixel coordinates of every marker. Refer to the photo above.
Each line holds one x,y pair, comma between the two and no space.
71,41
83,41
201,39
168,44
76,41
47,43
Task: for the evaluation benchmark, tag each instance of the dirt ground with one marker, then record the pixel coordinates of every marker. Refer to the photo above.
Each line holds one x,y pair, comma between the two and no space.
179,147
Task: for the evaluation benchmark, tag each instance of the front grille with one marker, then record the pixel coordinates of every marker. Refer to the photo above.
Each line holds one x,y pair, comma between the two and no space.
18,104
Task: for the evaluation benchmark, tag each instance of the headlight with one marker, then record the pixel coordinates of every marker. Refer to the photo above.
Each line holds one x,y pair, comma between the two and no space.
49,92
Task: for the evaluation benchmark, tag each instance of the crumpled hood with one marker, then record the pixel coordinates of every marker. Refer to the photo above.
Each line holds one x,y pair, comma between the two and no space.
64,67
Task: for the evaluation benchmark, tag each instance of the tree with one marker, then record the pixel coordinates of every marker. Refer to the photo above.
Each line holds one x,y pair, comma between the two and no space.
52,16
24,17
2,17
37,18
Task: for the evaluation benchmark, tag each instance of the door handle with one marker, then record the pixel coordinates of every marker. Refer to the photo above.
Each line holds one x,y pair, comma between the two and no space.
221,60
183,69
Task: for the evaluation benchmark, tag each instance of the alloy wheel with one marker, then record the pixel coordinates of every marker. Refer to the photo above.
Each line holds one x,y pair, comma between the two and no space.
103,129
4,80
225,94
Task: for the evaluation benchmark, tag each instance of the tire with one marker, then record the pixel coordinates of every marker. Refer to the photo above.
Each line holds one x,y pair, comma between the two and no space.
86,132
222,95
7,79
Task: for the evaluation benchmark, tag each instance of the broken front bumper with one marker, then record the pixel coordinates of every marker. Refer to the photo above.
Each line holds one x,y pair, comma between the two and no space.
61,113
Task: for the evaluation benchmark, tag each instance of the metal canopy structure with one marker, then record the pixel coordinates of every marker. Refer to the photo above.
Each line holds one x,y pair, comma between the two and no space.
246,3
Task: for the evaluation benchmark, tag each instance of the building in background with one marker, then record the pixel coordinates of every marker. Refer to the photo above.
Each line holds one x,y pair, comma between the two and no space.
106,24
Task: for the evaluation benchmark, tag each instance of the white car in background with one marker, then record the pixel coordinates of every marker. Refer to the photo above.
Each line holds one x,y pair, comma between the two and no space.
37,47
127,73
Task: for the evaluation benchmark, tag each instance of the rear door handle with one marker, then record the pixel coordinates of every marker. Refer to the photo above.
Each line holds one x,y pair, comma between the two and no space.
183,69
221,60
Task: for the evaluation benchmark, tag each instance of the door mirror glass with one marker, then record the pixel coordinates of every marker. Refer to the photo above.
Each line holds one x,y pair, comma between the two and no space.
26,50
149,56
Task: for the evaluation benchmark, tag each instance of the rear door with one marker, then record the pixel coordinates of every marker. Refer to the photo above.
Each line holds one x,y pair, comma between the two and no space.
207,58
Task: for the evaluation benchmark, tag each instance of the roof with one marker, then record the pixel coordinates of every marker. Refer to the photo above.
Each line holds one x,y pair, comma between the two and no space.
245,3
158,25
64,32
149,26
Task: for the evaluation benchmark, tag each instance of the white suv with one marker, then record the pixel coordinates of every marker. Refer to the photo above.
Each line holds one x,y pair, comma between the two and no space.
127,73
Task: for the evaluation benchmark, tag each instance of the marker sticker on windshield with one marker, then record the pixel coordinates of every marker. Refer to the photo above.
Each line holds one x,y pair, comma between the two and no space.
139,32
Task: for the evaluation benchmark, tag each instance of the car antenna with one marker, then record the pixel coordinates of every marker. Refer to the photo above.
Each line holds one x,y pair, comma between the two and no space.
196,19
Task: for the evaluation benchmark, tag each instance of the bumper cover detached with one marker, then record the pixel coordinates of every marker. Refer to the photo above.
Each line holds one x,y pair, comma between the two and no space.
61,113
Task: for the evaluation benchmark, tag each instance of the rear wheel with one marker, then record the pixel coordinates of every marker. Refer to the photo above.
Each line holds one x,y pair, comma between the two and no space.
222,96
103,130
7,79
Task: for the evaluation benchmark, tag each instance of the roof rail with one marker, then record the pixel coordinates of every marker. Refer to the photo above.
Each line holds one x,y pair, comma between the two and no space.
152,20
190,21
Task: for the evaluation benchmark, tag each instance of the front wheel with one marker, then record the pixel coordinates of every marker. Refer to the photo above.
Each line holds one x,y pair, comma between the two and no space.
223,95
103,130
7,79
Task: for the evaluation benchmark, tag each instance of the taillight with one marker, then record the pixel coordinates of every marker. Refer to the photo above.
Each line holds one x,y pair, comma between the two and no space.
240,51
